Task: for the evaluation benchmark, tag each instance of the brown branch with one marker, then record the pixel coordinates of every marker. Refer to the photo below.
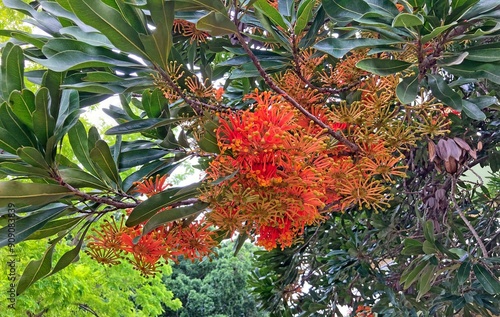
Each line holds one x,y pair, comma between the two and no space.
466,221
338,136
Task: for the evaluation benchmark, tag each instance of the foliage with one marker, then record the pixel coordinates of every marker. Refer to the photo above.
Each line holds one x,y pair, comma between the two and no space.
335,134
86,288
217,287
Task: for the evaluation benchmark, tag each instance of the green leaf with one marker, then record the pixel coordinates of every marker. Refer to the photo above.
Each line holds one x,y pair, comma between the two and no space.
436,32
429,247
69,60
410,275
210,5
345,11
154,102
78,179
171,215
158,45
472,111
407,89
79,143
28,225
339,47
109,22
217,24
208,142
407,20
101,155
135,126
33,157
443,92
464,272
425,282
488,281
30,194
22,104
429,231
11,70
70,256
128,159
9,121
151,206
54,227
304,14
269,11
36,269
472,69
412,247
43,122
17,169
382,67
8,142
484,53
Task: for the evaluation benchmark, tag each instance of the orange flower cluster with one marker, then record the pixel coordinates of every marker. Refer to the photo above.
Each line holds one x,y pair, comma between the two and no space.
364,311
113,241
277,173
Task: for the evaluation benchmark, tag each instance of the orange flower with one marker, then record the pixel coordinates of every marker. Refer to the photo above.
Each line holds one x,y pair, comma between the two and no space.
148,248
195,240
152,185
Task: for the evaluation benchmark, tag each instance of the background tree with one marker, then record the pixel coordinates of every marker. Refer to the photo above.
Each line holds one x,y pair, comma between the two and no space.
217,287
86,288
335,134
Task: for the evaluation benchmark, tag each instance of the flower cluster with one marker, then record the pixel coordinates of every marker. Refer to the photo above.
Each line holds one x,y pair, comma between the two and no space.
112,241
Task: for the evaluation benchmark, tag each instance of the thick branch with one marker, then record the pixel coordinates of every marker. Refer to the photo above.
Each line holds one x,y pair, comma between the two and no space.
338,136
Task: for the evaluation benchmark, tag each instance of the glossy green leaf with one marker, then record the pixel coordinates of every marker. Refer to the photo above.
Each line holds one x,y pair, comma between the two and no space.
154,103
54,227
208,142
463,272
345,10
33,157
28,225
443,92
472,111
425,282
79,143
30,194
412,247
436,32
429,231
141,125
272,13
101,155
17,169
10,122
472,69
71,255
8,142
152,205
407,90
382,67
78,179
429,247
22,104
407,20
158,45
339,47
11,70
484,53
216,24
304,14
133,158
488,281
210,5
36,269
173,214
109,22
43,122
411,274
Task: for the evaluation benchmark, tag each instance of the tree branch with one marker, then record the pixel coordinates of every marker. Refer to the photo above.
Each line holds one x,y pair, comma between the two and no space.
338,136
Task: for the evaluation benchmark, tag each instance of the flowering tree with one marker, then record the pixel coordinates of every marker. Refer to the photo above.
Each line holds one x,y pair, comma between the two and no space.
334,133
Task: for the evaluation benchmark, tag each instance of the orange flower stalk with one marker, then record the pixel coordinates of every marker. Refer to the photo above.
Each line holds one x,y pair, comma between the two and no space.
152,185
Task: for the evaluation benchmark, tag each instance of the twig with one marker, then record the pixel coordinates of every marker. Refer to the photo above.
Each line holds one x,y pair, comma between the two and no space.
338,136
466,221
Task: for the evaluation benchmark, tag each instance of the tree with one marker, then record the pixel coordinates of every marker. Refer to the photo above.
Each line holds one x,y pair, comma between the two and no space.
217,287
86,288
335,134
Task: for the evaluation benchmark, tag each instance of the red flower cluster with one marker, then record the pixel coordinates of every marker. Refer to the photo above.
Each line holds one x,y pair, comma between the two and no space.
113,241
